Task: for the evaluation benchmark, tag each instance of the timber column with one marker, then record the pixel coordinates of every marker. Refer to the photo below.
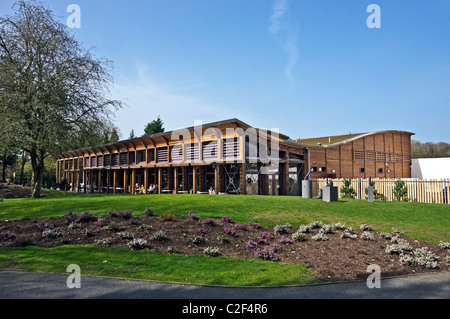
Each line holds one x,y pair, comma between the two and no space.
242,179
125,181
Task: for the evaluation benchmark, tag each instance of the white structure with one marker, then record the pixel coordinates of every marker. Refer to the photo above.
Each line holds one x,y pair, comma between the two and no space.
431,168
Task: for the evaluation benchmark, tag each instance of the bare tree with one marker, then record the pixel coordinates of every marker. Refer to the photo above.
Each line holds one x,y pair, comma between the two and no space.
51,88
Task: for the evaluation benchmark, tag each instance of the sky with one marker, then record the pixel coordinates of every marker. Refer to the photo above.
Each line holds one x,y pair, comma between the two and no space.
307,68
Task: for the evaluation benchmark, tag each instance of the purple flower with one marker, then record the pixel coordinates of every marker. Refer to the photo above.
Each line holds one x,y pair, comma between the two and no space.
113,214
126,214
86,217
227,219
254,225
200,231
230,231
100,222
71,216
241,226
6,236
265,235
252,245
193,217
44,226
209,221
148,212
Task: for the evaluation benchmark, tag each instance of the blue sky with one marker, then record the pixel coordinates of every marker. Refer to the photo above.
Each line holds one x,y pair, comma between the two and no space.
309,68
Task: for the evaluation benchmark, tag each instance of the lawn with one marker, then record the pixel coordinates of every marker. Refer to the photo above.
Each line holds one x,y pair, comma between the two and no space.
428,222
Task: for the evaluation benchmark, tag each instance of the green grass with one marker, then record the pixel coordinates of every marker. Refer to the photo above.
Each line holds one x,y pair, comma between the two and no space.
124,263
419,221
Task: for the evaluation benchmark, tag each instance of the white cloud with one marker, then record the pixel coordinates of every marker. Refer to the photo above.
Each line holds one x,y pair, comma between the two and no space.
285,34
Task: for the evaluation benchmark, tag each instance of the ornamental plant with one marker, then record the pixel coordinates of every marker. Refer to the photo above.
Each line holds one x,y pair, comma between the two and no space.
196,239
347,191
6,236
148,212
230,231
254,225
44,226
71,216
193,216
50,233
282,229
138,244
159,236
400,190
209,221
212,251
200,231
227,219
241,226
86,217
299,236
126,214
100,222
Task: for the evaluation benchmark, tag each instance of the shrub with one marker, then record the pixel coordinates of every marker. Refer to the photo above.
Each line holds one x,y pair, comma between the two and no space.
347,191
74,225
100,222
241,226
365,227
195,239
444,245
265,235
105,242
143,227
168,217
44,226
400,190
403,244
126,214
397,232
223,239
320,237
138,244
261,241
71,216
227,219
126,235
285,240
86,217
209,221
252,245
200,231
426,258
349,235
282,229
159,235
315,224
304,229
326,229
50,233
231,232
254,225
386,235
299,236
350,230
86,232
6,236
212,251
148,212
338,226
112,226
267,253
408,260
192,216
113,214
367,236
173,250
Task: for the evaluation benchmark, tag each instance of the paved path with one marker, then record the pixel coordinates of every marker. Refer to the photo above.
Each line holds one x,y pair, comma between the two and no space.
32,285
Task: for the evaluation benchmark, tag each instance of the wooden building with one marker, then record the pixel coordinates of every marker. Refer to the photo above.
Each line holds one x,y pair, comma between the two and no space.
385,154
228,156
232,157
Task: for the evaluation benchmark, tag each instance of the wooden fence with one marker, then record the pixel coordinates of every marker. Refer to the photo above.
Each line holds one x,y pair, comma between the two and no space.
419,190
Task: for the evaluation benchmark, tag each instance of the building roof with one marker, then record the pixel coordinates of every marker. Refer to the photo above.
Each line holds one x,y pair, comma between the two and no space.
328,141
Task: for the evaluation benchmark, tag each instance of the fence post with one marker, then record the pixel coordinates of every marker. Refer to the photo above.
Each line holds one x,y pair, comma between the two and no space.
359,188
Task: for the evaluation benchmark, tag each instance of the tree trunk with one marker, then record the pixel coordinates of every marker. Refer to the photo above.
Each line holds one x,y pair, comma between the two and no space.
4,172
24,160
37,165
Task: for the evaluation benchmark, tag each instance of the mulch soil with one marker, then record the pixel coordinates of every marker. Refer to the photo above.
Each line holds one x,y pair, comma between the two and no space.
334,260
